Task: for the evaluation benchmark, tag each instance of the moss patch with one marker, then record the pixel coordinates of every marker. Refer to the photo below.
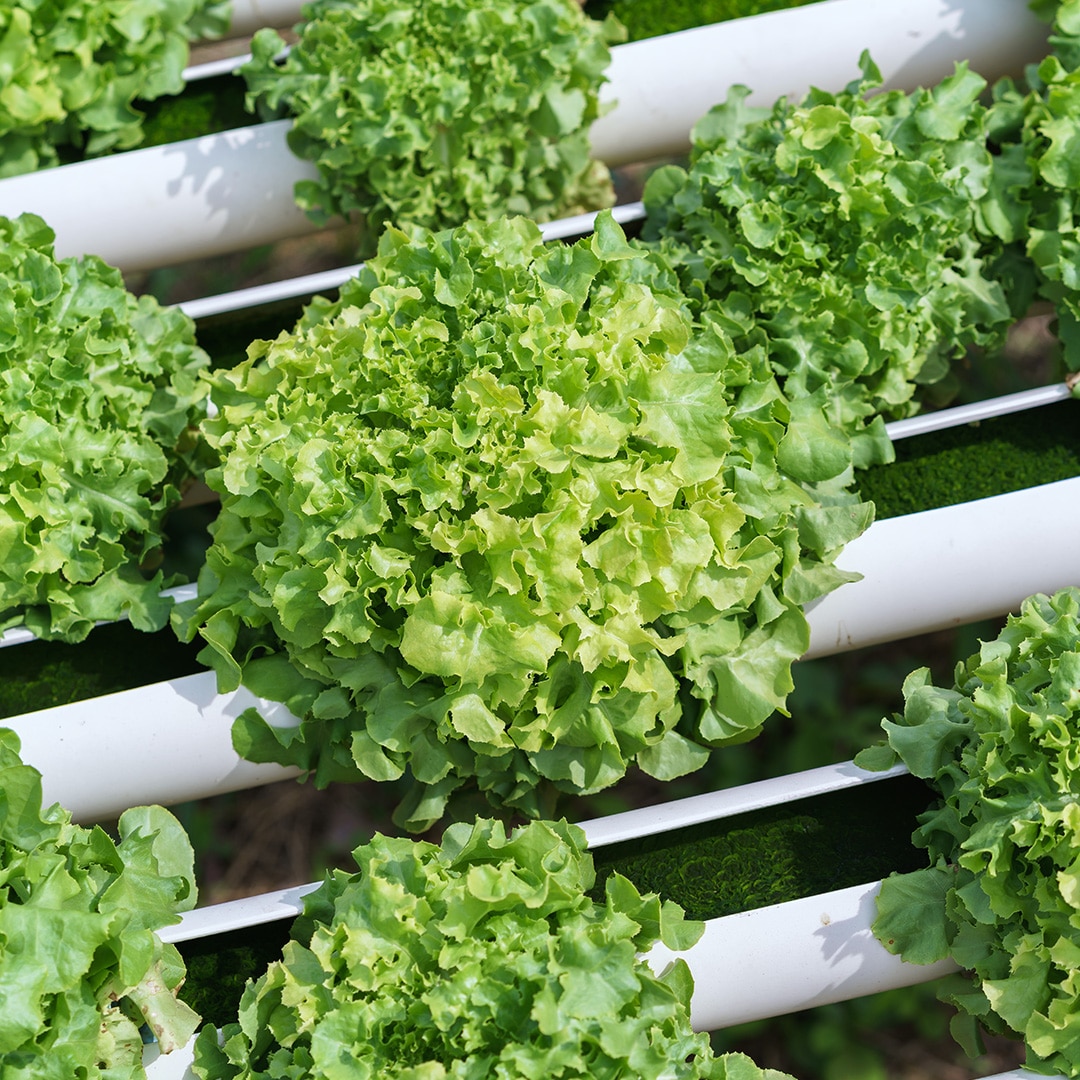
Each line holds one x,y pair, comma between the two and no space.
781,853
218,967
975,461
205,107
651,18
42,674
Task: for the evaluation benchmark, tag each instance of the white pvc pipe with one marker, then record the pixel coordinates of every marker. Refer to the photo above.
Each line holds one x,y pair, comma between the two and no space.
714,805
239,914
787,957
163,743
213,68
923,572
227,192
663,86
251,15
1024,1074
951,566
167,204
763,963
977,411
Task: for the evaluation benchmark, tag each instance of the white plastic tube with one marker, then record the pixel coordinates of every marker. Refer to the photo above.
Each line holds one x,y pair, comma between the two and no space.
612,829
977,411
239,914
169,742
251,15
227,192
167,204
714,805
951,566
663,86
786,957
1023,1074
164,743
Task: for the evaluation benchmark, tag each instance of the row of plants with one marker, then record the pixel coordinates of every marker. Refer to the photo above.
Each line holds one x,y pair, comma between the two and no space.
941,468
85,973
384,595
83,80
427,616
998,897
364,972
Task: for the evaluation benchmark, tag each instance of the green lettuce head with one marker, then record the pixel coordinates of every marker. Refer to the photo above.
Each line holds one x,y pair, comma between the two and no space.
841,234
501,513
72,70
82,968
480,959
100,396
431,114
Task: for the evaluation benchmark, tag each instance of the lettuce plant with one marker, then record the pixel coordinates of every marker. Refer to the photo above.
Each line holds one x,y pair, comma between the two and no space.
502,514
840,234
81,967
1033,204
99,398
70,71
1002,893
480,958
435,113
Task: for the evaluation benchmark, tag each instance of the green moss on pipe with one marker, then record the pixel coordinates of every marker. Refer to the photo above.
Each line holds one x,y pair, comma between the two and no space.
218,967
651,18
975,461
42,674
205,107
778,854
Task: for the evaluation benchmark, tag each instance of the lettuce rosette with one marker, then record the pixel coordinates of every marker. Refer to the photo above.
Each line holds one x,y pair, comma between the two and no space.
431,114
502,514
71,72
483,957
1001,895
844,235
100,397
82,970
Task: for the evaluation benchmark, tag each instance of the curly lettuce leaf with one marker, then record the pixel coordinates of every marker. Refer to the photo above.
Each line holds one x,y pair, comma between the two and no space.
482,957
99,397
81,967
435,113
1031,206
1002,894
